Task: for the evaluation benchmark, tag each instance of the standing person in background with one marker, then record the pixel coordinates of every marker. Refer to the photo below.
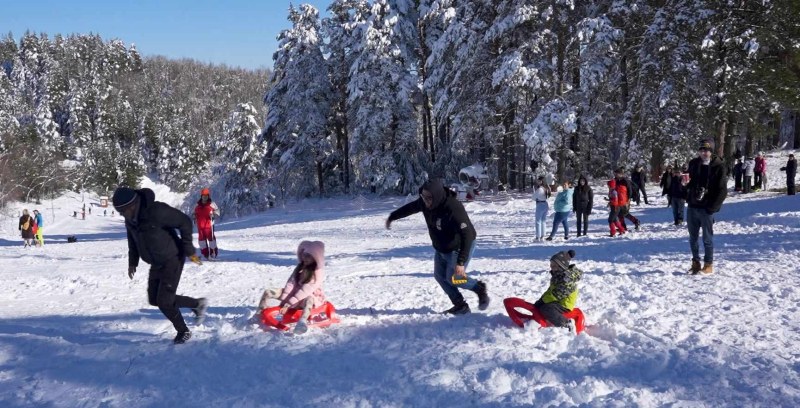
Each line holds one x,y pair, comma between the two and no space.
791,173
152,236
582,202
613,209
562,207
39,227
540,195
639,178
760,171
453,238
749,172
706,189
204,214
666,180
677,200
738,173
26,228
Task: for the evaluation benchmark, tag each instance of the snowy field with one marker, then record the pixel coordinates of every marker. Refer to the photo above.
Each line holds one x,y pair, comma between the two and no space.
75,331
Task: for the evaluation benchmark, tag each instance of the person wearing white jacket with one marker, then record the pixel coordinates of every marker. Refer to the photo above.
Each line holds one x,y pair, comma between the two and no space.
749,172
540,194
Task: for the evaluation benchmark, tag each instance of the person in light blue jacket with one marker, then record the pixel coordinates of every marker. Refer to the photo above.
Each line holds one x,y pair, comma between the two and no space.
39,220
562,207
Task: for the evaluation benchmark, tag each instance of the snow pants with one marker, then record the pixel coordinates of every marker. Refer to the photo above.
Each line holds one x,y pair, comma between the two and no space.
208,241
306,303
162,286
40,236
444,266
553,312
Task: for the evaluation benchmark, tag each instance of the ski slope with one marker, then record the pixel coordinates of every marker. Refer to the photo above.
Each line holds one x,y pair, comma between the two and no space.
75,331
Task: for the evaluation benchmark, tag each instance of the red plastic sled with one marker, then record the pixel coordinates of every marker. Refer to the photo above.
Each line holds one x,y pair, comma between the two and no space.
519,318
322,316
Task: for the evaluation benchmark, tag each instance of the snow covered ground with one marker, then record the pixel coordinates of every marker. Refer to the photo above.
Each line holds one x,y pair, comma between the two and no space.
75,331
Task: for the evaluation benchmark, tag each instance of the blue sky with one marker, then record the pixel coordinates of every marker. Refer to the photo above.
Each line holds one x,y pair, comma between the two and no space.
236,33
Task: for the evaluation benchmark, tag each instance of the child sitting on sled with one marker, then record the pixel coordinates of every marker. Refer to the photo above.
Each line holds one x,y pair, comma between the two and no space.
304,287
559,298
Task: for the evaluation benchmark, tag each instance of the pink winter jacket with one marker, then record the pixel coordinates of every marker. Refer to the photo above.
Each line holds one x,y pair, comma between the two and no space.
294,292
761,165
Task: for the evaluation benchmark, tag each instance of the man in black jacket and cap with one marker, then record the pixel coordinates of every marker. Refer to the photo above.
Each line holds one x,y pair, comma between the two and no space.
151,229
705,191
453,238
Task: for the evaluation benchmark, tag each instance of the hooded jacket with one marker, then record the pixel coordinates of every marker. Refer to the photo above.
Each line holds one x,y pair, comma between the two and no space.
204,213
448,224
563,201
295,291
563,287
710,178
749,167
151,232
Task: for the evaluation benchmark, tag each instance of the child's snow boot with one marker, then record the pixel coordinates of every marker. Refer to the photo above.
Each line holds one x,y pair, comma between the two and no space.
301,327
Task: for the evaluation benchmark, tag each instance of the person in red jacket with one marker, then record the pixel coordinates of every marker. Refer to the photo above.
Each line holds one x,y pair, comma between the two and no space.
204,214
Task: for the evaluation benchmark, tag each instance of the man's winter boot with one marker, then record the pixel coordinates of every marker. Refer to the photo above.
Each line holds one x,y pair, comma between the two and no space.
200,310
707,268
483,296
459,309
182,337
695,267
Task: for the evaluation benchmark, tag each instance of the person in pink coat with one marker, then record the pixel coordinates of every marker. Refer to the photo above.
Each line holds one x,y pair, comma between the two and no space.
304,287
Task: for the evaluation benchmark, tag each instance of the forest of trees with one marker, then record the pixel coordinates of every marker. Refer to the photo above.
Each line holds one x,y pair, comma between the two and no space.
380,95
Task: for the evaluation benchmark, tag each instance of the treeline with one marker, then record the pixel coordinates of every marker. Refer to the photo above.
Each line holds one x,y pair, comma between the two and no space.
383,94
79,112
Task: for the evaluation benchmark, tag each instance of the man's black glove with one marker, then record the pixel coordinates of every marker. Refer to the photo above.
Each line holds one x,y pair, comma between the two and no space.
131,271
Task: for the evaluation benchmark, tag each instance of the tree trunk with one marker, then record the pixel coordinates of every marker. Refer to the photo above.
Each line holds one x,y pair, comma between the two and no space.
320,179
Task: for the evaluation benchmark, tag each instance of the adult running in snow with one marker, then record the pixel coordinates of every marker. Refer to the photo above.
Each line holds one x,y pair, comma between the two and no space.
453,238
204,214
151,229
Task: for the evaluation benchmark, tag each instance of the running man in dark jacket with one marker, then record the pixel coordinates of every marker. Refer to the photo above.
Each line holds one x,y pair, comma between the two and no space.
453,238
151,229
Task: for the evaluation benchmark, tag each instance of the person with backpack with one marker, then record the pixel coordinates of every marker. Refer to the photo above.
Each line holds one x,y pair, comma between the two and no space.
151,226
26,228
204,214
582,202
453,238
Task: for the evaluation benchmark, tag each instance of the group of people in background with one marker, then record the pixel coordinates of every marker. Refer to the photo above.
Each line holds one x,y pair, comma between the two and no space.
31,228
750,174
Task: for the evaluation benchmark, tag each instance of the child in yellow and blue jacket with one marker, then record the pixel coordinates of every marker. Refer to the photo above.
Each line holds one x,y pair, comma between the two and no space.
562,294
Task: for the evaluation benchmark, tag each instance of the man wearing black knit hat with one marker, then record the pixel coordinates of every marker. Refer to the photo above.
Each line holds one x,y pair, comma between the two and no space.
705,191
151,229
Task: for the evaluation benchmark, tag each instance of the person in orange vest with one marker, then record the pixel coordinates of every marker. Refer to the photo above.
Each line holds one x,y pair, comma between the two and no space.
204,214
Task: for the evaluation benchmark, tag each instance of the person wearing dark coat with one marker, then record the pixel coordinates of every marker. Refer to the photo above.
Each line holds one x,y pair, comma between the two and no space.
26,228
738,175
639,179
676,195
791,173
453,239
705,191
582,202
666,180
152,236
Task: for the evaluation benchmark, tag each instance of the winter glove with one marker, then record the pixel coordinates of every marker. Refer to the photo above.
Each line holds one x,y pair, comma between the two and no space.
196,259
131,271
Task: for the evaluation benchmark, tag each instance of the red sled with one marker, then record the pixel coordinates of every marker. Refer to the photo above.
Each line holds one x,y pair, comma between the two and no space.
519,318
322,316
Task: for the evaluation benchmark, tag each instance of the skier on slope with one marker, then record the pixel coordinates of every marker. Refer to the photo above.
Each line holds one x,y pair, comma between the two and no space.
204,214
